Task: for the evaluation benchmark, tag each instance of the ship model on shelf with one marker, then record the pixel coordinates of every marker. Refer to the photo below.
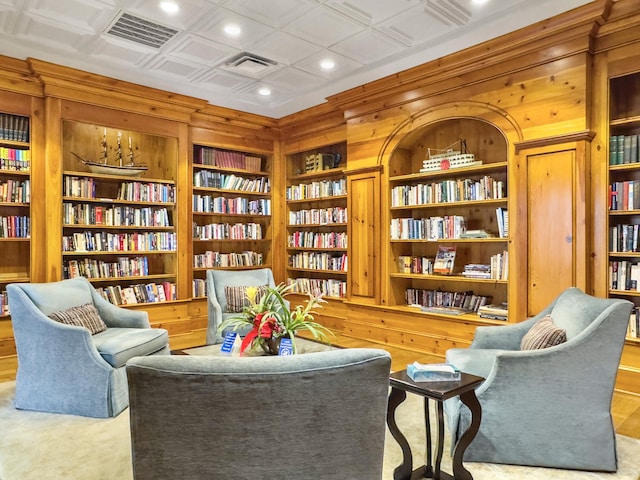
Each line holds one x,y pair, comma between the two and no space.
127,168
453,156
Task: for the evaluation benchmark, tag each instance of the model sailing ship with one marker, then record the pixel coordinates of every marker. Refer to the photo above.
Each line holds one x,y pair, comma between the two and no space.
449,158
128,169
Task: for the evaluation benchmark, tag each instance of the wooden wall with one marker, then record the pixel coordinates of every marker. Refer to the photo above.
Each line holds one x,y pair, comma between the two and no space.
544,87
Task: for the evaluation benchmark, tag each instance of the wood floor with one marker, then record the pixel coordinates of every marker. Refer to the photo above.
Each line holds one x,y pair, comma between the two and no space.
625,407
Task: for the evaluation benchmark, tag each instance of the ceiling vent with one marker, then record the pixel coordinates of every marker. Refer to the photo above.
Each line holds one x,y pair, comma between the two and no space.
448,12
141,31
248,64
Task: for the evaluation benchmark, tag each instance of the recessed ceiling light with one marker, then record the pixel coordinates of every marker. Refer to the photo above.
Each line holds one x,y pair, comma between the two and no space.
327,64
169,7
232,29
264,91
479,2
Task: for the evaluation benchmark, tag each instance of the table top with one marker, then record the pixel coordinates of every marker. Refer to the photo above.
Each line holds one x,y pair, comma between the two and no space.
435,390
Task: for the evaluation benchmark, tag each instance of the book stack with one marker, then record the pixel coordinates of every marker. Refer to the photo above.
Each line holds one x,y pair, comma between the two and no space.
477,270
494,311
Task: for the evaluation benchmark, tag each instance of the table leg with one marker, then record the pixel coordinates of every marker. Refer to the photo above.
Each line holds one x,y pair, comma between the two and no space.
471,401
403,471
428,459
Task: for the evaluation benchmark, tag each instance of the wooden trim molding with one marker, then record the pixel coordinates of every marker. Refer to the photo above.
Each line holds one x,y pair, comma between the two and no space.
368,169
585,135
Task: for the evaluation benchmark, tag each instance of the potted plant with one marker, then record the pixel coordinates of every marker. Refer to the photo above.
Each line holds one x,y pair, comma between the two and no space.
272,319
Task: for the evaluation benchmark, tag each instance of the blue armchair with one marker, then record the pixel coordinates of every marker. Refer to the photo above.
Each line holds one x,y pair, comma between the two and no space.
549,407
63,368
217,280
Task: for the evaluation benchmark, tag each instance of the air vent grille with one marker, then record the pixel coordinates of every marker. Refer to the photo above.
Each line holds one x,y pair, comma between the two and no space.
141,31
249,64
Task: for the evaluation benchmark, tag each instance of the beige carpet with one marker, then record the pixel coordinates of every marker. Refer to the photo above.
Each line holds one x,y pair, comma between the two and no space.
42,446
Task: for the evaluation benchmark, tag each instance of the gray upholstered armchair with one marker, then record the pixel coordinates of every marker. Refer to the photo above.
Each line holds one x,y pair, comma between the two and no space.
217,280
548,407
259,417
62,367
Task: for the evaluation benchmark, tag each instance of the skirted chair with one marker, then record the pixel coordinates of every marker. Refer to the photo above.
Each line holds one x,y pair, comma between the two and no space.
317,416
228,284
73,345
546,406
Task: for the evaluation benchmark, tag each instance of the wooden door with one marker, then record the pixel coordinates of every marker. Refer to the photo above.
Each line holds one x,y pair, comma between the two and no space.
553,241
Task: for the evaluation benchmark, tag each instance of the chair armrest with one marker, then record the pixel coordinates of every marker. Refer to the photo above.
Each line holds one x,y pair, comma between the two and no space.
114,316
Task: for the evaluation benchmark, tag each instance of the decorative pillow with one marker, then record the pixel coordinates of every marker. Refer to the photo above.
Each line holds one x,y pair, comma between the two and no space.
82,316
543,334
237,297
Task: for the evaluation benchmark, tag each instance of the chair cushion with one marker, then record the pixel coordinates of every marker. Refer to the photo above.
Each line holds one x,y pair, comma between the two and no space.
237,298
543,334
117,345
86,316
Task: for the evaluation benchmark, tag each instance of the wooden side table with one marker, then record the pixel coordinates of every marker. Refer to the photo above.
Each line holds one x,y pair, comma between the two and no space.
438,391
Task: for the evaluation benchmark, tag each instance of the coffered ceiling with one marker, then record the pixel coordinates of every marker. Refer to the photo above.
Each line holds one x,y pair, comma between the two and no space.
280,45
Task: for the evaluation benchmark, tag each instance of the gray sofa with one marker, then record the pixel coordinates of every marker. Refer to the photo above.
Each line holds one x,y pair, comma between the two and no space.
316,416
64,368
549,407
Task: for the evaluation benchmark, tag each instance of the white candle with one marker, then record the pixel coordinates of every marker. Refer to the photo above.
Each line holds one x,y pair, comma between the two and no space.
129,143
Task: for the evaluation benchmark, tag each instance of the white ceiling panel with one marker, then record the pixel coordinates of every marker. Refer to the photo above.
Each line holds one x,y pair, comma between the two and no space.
368,39
368,46
323,26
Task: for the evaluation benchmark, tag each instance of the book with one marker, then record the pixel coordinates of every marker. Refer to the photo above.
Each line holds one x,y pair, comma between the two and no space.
445,259
433,372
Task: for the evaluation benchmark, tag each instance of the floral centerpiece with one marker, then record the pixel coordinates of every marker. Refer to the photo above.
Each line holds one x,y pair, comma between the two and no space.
272,319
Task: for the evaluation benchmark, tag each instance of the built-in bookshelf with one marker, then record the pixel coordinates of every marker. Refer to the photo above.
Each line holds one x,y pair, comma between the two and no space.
624,194
15,203
118,226
448,233
231,212
317,219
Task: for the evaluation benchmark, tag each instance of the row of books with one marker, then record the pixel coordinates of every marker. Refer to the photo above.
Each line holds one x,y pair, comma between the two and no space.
226,159
14,127
461,190
226,231
198,288
319,261
232,206
117,216
92,268
415,265
4,303
623,149
624,238
502,219
624,195
430,228
15,226
119,242
15,191
624,275
140,293
317,240
318,216
15,158
210,259
85,187
318,189
209,179
328,287
467,301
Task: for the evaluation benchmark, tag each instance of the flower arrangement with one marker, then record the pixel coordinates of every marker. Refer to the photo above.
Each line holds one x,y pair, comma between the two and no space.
272,319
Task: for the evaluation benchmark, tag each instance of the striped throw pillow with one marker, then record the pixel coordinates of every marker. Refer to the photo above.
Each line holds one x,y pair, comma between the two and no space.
237,297
86,316
543,334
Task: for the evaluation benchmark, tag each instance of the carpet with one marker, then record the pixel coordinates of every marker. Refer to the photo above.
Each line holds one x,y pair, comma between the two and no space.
44,446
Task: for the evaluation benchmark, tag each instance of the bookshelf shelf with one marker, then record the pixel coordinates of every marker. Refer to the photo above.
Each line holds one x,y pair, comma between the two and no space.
15,202
231,197
316,195
121,210
429,211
